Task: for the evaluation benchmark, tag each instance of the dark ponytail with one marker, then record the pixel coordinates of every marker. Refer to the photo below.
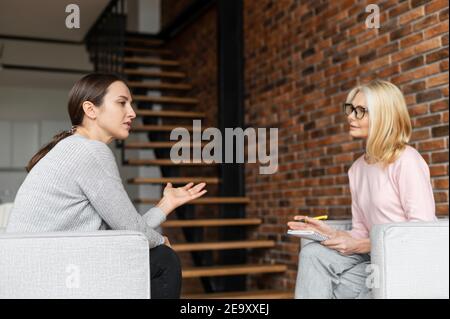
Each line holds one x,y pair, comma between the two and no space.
93,88
43,151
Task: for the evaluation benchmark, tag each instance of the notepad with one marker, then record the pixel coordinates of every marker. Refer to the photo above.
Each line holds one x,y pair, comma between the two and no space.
307,234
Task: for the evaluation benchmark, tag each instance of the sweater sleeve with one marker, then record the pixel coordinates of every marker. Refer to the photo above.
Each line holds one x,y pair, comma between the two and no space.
414,185
359,229
99,179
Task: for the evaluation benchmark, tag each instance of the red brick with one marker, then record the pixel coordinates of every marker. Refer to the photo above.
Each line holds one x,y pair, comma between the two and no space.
427,45
415,74
442,210
441,183
440,157
399,9
435,6
443,66
427,120
440,197
437,55
418,110
426,22
412,15
439,106
429,95
418,135
436,30
412,63
439,170
432,145
440,79
410,40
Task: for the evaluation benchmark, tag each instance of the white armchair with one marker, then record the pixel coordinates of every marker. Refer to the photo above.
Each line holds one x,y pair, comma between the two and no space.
409,260
87,265
90,265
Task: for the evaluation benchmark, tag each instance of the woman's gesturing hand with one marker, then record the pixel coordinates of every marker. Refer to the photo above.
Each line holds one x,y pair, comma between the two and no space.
314,225
175,197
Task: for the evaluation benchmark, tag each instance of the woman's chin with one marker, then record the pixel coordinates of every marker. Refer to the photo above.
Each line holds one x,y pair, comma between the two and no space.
355,134
122,135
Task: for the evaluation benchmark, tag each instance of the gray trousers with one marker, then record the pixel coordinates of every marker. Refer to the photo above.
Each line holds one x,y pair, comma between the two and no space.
324,273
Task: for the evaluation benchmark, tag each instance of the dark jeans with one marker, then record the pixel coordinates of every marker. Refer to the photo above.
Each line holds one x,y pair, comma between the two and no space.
165,273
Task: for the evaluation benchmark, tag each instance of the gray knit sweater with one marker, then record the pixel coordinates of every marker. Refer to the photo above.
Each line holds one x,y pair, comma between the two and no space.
77,187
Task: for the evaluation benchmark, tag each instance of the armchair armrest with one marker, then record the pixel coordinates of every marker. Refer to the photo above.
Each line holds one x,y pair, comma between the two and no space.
411,260
101,264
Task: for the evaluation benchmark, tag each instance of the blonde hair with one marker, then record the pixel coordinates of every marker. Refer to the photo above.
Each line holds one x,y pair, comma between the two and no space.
389,121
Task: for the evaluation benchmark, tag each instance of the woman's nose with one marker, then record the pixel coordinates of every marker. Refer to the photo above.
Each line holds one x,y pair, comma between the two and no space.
132,113
351,116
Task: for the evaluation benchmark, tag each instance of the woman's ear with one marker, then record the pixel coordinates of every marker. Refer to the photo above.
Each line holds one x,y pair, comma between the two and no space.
89,110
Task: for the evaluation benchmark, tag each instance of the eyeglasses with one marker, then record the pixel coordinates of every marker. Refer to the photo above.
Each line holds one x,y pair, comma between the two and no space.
359,110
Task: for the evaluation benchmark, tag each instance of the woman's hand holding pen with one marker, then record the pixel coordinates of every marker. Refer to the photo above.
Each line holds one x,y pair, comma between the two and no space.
175,197
309,223
340,241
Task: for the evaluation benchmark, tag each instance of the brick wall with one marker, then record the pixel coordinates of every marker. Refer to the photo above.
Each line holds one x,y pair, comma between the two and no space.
301,58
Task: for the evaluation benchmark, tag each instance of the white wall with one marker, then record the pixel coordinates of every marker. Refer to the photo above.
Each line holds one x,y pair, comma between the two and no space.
32,105
48,108
144,16
149,16
41,97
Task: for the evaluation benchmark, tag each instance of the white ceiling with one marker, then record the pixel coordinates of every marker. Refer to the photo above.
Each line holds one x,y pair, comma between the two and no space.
46,18
37,79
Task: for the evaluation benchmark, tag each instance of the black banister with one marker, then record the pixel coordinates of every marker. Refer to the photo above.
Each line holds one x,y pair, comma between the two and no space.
106,38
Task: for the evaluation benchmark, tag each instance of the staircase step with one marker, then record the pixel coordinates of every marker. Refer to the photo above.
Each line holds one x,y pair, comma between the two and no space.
159,86
155,74
153,51
173,180
143,41
157,128
212,222
223,245
177,114
164,162
231,270
202,200
165,99
139,145
258,294
150,61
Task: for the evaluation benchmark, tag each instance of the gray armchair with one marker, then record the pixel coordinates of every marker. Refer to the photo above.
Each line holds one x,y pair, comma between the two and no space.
101,264
409,260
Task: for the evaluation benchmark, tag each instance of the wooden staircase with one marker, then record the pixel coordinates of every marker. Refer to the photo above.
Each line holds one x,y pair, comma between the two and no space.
150,67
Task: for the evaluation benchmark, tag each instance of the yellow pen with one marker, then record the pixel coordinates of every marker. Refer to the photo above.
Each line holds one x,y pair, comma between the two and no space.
322,217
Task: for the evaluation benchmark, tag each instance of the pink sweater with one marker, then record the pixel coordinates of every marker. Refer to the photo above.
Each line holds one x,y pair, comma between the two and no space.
400,192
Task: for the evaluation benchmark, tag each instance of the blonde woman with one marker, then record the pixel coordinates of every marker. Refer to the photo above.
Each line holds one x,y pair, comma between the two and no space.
389,183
